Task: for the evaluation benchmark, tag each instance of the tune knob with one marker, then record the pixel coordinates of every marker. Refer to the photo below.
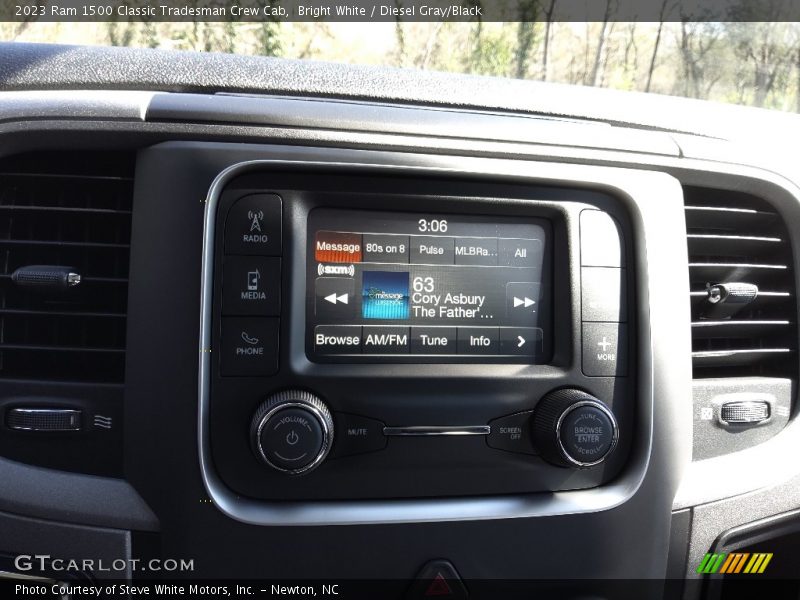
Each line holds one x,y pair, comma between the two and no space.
574,429
292,432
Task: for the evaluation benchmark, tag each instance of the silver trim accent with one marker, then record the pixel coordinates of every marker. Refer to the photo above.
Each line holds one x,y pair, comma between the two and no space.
599,405
747,405
327,435
655,219
425,430
73,414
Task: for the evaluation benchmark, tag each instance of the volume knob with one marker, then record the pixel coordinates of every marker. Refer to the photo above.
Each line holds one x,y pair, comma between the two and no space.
292,432
574,429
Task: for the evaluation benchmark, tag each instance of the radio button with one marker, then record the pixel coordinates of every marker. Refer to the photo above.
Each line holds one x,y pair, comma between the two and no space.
605,349
253,226
385,340
478,340
434,340
512,433
249,347
603,292
357,435
337,339
251,285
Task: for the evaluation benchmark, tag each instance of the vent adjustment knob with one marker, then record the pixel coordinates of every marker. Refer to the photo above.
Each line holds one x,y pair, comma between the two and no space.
574,429
292,432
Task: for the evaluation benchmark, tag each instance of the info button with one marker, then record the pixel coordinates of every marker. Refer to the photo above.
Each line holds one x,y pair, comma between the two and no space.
478,340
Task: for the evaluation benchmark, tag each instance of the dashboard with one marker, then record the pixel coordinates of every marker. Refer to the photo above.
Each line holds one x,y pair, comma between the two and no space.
313,328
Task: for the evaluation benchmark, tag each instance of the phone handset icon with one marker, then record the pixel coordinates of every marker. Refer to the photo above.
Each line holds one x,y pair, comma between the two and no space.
249,340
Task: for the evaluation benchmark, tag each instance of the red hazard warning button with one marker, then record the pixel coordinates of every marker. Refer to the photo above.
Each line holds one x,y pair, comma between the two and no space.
438,579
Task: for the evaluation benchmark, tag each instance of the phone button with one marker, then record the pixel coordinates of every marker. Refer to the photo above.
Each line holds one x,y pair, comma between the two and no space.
249,347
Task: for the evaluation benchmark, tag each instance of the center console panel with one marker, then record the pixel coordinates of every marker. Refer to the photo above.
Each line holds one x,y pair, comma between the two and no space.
377,334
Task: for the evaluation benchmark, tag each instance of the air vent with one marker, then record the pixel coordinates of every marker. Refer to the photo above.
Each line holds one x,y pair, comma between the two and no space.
71,211
742,286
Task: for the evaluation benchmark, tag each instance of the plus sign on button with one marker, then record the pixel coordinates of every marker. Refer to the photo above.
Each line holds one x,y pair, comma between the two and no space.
605,349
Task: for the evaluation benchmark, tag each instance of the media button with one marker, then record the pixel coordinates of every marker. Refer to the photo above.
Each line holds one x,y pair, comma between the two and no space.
251,285
434,340
472,251
337,339
430,250
520,253
385,340
386,248
334,298
521,341
478,340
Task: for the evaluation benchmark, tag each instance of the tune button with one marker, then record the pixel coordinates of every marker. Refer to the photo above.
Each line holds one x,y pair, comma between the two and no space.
574,429
587,433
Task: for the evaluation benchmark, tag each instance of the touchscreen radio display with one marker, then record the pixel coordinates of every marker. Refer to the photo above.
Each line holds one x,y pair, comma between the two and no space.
443,288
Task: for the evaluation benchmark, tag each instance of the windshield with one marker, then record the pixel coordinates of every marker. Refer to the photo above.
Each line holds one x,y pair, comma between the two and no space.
748,63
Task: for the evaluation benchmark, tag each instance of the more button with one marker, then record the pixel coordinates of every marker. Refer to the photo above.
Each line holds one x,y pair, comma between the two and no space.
605,349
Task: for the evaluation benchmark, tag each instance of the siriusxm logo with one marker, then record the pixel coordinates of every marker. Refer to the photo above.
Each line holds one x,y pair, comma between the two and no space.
335,270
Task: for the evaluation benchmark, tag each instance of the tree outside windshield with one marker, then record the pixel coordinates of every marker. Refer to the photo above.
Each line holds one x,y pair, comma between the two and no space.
749,63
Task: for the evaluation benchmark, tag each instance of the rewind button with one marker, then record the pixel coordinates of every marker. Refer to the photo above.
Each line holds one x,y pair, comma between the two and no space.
334,298
338,298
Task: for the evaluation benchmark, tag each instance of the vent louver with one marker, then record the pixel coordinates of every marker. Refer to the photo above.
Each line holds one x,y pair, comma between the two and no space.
66,210
742,286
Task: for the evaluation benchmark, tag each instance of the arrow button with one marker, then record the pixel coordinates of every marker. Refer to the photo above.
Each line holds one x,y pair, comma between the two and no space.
520,341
